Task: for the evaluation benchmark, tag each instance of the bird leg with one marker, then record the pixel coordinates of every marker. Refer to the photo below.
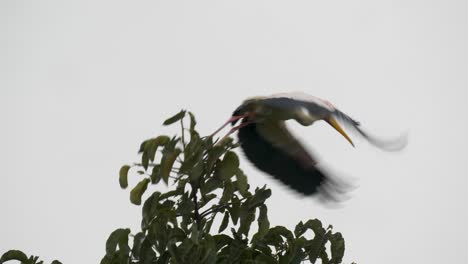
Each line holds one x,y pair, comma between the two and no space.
232,119
234,129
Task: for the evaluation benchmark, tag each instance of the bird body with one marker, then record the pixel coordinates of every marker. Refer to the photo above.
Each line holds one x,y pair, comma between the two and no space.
284,106
303,108
269,145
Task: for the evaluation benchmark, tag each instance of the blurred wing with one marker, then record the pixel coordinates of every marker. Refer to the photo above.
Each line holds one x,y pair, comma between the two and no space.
277,134
394,144
272,149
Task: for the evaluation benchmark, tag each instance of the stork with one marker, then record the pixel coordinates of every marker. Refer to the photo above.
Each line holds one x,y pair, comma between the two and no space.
270,147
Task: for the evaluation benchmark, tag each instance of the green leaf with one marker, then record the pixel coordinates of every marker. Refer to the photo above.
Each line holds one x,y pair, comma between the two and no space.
153,145
123,176
181,183
314,224
185,205
178,234
227,193
213,155
196,172
171,145
180,252
224,223
209,223
167,162
208,250
150,210
185,222
34,260
208,142
228,166
316,246
106,260
275,236
193,122
174,118
325,258
194,234
138,190
211,185
118,237
192,157
195,143
263,222
147,254
170,194
56,262
265,259
247,216
337,247
235,209
155,174
206,199
221,241
145,160
241,183
225,143
14,255
137,241
159,232
259,197
149,148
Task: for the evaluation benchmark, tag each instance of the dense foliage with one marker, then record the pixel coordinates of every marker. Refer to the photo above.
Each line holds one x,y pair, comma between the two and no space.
206,183
208,211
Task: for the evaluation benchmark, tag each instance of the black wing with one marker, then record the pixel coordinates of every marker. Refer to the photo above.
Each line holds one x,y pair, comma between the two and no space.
293,166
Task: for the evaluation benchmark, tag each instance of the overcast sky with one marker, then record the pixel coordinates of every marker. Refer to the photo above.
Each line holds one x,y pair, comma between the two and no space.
82,83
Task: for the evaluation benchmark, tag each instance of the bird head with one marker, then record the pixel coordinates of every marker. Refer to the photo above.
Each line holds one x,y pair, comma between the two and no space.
239,111
247,106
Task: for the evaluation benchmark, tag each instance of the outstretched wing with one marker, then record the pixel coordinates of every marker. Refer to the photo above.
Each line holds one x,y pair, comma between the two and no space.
272,149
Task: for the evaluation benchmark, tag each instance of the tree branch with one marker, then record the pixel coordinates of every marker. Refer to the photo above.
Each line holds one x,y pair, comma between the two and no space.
216,208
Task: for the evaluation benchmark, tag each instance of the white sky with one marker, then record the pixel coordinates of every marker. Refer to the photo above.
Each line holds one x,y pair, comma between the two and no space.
82,83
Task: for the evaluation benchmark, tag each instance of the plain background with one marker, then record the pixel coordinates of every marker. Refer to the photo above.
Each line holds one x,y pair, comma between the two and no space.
82,83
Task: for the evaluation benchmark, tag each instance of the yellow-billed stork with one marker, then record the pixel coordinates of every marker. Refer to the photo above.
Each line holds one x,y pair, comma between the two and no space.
269,145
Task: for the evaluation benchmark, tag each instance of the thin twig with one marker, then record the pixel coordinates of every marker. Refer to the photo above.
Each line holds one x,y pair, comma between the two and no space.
183,134
213,209
196,213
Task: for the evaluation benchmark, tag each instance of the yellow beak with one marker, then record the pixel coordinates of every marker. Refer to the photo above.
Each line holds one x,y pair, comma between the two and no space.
332,121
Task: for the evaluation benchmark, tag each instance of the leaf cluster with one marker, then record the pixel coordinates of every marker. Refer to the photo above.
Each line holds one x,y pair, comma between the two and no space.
20,256
207,214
